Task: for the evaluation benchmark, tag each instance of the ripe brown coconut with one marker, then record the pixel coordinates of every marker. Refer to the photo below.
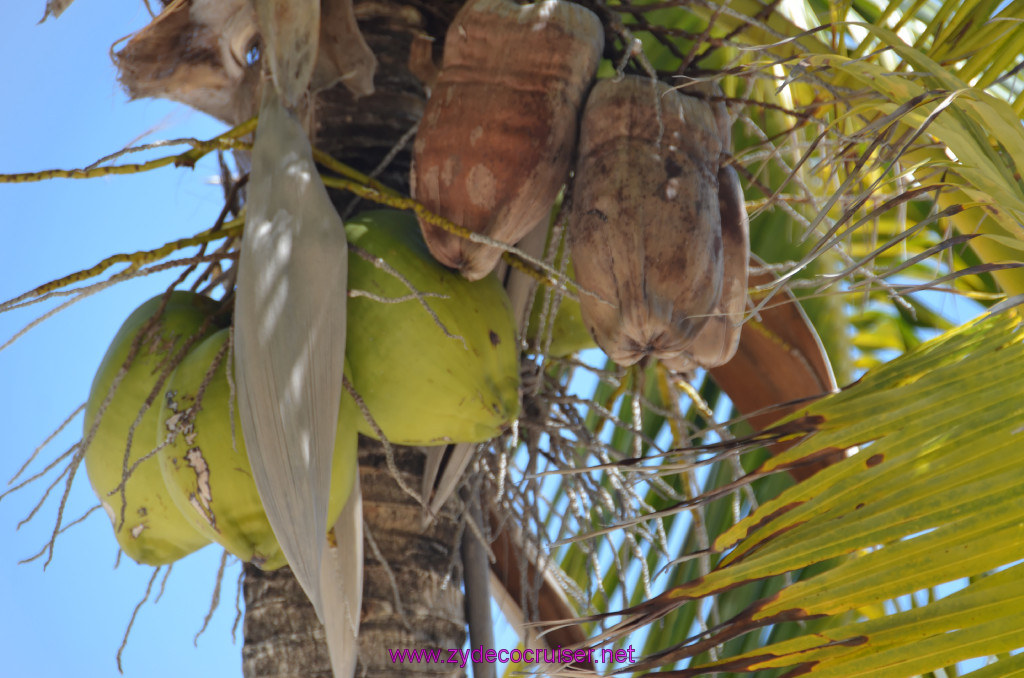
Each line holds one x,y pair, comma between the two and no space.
497,136
645,225
717,342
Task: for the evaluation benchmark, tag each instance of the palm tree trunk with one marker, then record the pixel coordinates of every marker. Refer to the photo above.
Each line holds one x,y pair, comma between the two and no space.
410,597
283,638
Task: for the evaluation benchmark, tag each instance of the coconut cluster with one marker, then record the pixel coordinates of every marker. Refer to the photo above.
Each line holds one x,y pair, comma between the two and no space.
657,227
178,477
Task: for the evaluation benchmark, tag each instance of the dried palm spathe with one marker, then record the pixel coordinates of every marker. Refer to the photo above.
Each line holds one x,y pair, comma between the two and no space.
496,139
195,53
342,585
645,229
291,39
290,337
344,55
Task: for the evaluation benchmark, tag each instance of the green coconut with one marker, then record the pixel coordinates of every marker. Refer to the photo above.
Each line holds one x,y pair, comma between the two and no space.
153,530
206,466
568,333
447,374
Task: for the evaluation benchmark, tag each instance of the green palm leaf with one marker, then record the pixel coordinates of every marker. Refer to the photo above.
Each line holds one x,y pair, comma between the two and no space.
932,496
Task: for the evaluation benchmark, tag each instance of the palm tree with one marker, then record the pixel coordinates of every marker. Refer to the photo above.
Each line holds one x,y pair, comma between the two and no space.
875,142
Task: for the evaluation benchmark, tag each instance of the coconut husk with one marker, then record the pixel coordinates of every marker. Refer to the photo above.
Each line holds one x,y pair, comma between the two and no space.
716,344
497,136
645,226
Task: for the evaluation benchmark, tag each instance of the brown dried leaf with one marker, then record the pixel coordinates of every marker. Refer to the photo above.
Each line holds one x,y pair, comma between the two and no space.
344,55
510,587
779,364
195,53
55,8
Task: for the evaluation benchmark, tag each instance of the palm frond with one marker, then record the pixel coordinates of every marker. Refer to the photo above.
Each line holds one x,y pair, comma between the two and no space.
931,497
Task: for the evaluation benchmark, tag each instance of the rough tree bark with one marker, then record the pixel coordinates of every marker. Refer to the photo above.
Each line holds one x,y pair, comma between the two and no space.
409,600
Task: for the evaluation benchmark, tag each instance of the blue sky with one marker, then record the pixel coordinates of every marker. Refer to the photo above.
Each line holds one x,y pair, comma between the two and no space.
62,109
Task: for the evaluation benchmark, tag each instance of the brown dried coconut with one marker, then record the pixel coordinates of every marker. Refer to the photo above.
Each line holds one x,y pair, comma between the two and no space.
497,136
